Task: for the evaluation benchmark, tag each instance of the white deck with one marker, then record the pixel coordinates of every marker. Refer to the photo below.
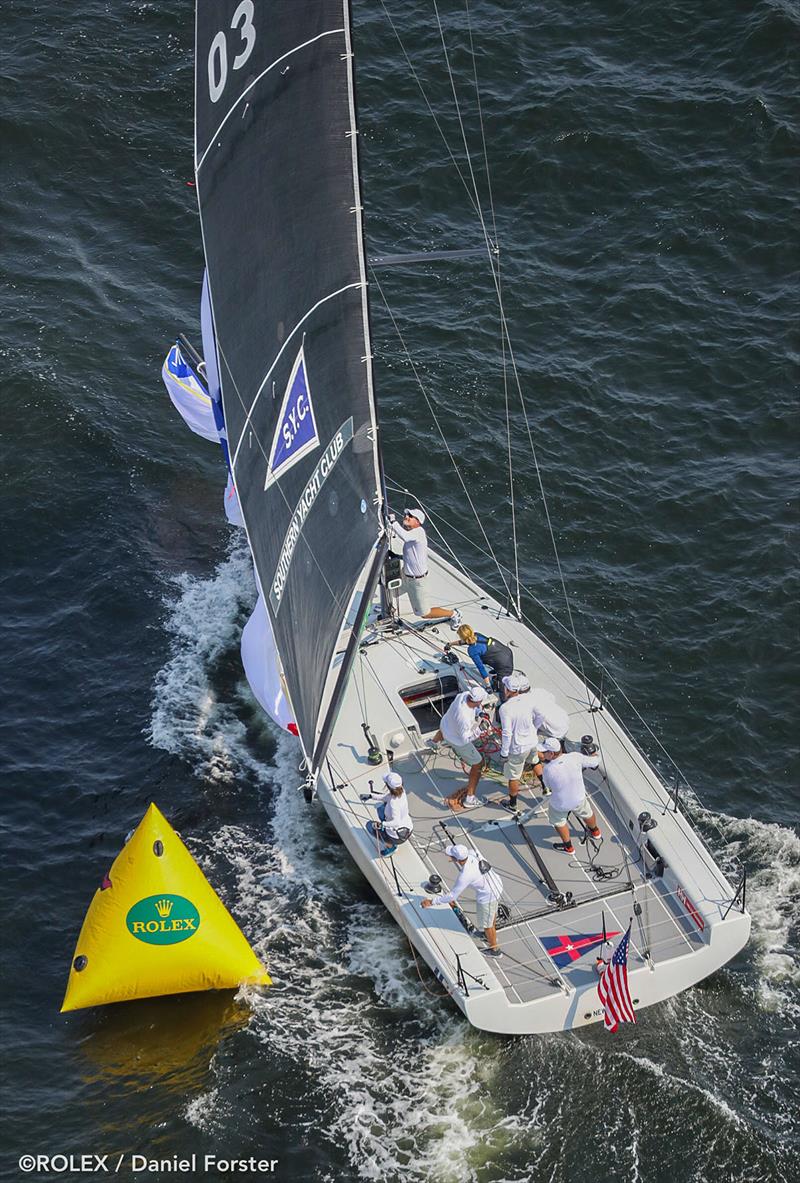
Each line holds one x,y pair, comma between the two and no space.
682,932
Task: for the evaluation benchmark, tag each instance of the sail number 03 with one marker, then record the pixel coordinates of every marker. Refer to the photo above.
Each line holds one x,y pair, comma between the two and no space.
242,21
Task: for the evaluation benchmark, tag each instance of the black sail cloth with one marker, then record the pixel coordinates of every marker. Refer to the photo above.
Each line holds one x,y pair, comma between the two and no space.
279,200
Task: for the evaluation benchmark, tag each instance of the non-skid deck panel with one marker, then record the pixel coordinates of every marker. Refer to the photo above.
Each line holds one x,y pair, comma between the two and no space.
526,970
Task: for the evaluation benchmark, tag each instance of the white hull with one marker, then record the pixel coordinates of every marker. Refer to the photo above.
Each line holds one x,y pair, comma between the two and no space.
687,928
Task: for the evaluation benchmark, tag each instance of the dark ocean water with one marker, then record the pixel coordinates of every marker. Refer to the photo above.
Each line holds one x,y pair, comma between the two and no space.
644,162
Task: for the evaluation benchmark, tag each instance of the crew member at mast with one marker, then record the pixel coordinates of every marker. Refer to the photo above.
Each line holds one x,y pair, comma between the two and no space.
415,566
474,872
480,649
519,738
563,776
459,730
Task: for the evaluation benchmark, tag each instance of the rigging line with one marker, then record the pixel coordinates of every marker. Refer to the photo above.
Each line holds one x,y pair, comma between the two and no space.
567,602
510,460
431,111
433,514
604,771
433,993
504,363
439,428
478,208
480,120
306,543
446,544
491,245
459,563
504,322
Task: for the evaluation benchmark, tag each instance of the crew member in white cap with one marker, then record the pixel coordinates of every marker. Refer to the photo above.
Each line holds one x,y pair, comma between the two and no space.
396,823
474,872
459,730
563,776
519,736
415,566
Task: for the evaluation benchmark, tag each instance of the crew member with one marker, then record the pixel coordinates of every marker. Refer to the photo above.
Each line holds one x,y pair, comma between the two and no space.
482,649
415,567
549,719
459,729
519,737
395,820
563,776
474,872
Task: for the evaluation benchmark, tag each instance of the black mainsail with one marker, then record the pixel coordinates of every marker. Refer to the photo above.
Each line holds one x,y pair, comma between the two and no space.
276,169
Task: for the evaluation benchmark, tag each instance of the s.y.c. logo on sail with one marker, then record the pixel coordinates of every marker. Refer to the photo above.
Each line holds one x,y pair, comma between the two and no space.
163,920
296,430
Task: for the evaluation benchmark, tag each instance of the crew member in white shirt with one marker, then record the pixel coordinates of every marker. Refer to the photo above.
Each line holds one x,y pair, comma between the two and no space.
459,730
563,776
396,823
549,719
519,736
415,566
487,885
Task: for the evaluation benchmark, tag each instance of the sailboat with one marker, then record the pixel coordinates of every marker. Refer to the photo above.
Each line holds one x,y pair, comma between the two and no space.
334,651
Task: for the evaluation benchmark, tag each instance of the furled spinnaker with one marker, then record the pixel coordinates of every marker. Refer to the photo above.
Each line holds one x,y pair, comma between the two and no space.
156,926
188,395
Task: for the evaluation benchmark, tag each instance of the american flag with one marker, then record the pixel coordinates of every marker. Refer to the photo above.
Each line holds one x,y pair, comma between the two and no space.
613,988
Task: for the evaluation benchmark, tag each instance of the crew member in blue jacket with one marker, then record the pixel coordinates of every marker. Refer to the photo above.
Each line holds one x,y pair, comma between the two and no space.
484,650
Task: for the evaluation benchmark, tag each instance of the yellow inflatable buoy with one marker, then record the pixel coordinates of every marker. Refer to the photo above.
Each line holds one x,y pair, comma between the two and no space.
156,926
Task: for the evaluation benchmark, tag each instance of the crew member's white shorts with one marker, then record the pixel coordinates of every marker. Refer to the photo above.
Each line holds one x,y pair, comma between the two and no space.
486,913
558,817
468,753
417,594
515,765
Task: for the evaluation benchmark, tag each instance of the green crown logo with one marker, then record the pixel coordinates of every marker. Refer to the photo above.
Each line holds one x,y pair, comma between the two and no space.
163,919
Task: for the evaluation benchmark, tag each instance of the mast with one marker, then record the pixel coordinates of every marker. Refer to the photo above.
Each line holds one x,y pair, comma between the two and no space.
358,181
376,570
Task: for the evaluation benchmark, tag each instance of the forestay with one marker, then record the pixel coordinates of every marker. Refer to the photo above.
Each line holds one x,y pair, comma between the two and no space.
277,184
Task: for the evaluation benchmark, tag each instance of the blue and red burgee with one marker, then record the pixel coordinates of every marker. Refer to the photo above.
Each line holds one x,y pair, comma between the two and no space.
569,946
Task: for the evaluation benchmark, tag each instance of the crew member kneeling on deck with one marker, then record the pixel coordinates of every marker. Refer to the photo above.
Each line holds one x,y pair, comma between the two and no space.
395,824
459,730
474,872
563,776
481,649
415,567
